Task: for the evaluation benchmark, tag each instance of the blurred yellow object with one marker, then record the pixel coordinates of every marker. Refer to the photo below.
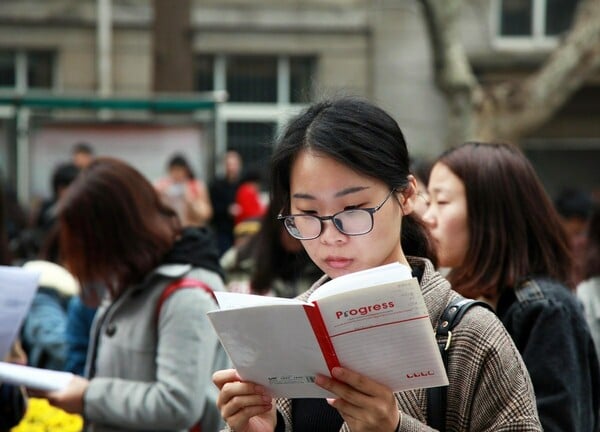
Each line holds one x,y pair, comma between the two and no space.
43,417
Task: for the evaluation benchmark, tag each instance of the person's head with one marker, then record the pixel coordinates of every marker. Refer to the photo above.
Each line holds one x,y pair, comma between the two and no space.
233,165
592,261
348,154
574,207
179,169
114,228
82,154
492,220
62,177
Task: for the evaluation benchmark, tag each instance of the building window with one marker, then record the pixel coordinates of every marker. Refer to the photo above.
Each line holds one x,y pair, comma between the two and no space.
40,66
252,140
23,70
302,71
7,70
559,15
204,73
264,91
257,79
535,19
252,78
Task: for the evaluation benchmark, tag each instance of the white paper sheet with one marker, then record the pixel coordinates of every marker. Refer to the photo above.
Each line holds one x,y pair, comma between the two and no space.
35,378
17,288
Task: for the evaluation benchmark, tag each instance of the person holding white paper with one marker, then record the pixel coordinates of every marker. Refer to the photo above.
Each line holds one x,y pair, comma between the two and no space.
150,357
340,175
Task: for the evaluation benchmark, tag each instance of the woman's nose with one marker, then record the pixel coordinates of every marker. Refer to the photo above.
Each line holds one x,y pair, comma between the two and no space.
330,232
428,216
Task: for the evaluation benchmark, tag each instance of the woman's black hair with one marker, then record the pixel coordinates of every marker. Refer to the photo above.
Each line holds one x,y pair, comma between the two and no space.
361,136
180,161
271,259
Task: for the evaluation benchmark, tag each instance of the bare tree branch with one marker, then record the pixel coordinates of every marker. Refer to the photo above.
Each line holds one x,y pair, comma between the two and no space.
451,66
508,110
452,70
537,98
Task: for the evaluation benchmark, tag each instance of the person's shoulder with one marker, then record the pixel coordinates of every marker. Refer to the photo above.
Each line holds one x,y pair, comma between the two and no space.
481,337
209,277
544,299
544,291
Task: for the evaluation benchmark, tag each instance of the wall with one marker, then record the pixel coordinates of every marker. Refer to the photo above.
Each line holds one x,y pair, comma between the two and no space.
146,147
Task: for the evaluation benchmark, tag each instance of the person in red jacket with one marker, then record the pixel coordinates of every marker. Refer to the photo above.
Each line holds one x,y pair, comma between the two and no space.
247,198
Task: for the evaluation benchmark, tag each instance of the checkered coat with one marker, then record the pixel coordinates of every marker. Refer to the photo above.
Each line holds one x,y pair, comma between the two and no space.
490,389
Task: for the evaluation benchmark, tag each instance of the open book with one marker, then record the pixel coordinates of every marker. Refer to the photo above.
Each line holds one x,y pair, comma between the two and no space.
374,322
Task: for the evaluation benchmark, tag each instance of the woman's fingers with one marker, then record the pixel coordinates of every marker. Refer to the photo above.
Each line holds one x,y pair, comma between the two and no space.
246,406
351,386
360,400
224,376
238,400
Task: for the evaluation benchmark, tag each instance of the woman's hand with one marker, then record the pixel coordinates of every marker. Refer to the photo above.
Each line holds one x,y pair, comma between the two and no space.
245,406
363,403
69,399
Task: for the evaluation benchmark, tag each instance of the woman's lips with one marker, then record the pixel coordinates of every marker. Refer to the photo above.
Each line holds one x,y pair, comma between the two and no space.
338,262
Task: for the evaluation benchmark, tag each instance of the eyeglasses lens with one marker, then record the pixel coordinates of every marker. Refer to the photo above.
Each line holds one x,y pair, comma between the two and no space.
353,222
350,222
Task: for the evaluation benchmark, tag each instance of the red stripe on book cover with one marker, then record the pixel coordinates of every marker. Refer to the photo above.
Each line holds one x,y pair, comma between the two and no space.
318,325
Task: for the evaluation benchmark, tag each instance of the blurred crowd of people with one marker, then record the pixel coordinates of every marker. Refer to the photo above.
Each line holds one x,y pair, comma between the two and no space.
109,242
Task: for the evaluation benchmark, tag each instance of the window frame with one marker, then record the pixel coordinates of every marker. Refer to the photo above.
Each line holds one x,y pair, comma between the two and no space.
278,112
536,41
22,59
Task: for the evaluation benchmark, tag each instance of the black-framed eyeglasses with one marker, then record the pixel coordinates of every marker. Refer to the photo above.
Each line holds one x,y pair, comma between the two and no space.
352,222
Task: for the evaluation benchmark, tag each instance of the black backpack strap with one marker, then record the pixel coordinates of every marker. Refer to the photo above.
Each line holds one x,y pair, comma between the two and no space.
436,396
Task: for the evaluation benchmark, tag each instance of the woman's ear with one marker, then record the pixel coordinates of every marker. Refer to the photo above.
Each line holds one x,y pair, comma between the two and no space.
408,195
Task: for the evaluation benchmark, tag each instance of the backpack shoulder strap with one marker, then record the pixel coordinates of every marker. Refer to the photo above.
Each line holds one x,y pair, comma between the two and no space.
178,284
436,396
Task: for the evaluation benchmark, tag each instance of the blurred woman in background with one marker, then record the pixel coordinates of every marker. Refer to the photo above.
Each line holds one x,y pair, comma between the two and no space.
498,232
149,366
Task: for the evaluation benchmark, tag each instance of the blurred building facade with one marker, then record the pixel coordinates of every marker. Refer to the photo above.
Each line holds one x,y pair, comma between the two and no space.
272,57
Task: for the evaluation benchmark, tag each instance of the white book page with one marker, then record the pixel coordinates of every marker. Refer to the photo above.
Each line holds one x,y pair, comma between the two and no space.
17,289
39,379
357,280
273,346
229,300
385,333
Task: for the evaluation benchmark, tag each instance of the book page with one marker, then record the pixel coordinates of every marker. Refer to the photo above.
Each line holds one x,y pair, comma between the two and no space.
360,279
273,345
35,378
230,300
385,333
17,289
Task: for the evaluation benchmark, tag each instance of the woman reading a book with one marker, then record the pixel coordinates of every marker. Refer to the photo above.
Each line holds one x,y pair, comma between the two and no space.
340,175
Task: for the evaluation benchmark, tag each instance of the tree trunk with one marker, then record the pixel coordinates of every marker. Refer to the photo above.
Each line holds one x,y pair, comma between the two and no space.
173,55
